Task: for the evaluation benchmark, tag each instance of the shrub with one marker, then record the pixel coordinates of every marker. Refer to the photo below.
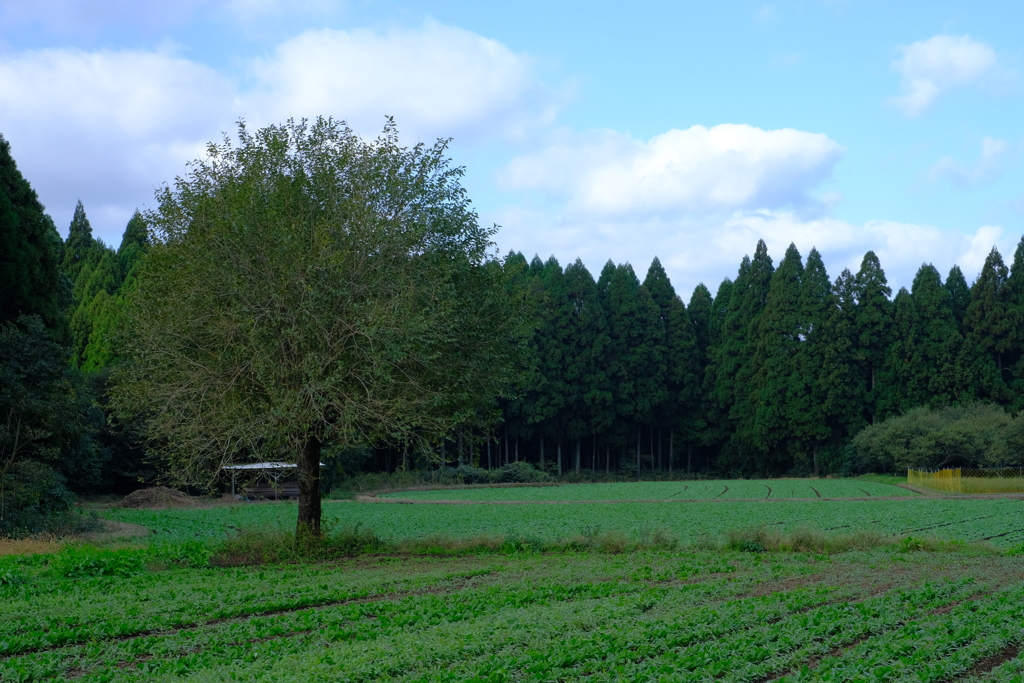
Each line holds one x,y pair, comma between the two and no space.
518,473
972,435
34,499
755,540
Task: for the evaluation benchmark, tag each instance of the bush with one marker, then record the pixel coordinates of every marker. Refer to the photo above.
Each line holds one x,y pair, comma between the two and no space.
518,473
973,435
34,499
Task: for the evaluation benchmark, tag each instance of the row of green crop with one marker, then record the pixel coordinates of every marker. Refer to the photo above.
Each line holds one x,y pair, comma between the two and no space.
360,621
726,644
625,629
650,616
966,520
54,609
299,632
668,490
936,649
646,634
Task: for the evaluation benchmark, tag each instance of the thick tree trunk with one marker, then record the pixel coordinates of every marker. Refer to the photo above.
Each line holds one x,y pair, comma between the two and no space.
309,489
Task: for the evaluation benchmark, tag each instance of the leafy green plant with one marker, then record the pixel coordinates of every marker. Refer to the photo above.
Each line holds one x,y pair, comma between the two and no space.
9,577
83,561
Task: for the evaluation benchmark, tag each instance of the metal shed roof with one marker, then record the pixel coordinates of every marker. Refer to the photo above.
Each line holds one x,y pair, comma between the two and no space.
262,466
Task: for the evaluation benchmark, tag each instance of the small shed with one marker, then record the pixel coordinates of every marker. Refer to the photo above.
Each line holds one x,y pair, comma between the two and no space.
269,479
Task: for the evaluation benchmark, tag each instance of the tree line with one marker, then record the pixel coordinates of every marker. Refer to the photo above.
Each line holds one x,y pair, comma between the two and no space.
773,374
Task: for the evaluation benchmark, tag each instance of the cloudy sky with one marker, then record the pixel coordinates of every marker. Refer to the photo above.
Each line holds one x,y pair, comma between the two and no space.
592,130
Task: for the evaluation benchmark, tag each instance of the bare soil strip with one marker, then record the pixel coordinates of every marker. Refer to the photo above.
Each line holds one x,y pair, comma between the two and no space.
985,665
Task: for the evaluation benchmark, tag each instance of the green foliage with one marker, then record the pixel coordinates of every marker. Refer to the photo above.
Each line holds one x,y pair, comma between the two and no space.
82,561
9,577
517,472
34,499
29,251
973,435
307,286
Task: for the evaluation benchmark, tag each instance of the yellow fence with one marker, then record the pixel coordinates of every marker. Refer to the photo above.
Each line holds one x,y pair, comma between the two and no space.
960,480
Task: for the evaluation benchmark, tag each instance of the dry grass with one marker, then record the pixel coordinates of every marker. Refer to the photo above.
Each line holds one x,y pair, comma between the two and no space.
155,498
28,546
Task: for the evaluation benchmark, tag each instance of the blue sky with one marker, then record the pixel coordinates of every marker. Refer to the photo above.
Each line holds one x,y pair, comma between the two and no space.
682,130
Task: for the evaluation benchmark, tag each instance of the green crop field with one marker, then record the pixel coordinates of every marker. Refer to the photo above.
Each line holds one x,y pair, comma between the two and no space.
670,490
160,609
643,616
1000,521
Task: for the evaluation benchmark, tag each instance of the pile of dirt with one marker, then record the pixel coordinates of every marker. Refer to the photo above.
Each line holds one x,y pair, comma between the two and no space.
156,497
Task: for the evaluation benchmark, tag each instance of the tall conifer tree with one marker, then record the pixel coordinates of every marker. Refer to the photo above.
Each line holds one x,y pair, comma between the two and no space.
679,412
990,324
592,410
777,380
843,379
635,365
80,248
716,428
732,361
1015,302
29,250
959,295
872,328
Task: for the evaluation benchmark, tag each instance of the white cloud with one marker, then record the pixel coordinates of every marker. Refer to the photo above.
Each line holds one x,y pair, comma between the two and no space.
933,67
437,80
107,127
694,171
992,161
110,126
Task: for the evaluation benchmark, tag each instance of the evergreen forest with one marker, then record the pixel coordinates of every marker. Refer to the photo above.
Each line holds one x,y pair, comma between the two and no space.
774,373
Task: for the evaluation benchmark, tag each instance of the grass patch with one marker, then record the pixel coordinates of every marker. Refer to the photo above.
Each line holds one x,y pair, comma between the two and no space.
273,546
807,540
891,479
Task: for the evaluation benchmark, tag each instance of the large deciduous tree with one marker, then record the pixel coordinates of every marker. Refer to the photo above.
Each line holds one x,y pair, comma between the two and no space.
306,286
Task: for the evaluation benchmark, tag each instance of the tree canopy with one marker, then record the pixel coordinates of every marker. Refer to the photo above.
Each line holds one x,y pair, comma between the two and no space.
304,287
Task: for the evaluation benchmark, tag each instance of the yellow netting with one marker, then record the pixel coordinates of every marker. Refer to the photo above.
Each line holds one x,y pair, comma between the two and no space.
959,480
